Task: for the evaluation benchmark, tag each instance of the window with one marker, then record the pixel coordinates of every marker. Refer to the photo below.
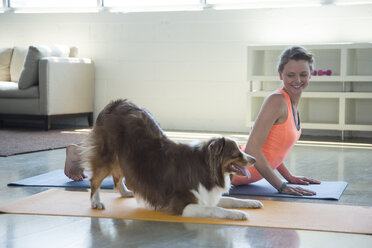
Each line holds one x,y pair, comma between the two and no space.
264,3
52,3
280,3
151,3
350,2
162,5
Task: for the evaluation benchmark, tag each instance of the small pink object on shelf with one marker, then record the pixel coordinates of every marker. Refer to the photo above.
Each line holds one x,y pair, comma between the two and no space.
327,72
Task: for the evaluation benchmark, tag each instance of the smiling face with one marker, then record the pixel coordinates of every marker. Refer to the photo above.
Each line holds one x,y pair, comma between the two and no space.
296,75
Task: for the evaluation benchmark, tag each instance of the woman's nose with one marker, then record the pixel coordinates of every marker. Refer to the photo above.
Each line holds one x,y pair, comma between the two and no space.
298,79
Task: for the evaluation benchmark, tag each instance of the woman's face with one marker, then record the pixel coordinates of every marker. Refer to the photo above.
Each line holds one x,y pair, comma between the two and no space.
295,76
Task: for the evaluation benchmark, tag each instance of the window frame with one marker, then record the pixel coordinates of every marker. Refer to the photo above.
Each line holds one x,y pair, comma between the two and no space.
203,5
8,8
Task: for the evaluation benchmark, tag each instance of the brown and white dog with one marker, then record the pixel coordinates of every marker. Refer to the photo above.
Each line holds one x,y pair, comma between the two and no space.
180,179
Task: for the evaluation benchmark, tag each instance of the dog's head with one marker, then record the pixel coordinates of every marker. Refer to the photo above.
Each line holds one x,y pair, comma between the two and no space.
225,156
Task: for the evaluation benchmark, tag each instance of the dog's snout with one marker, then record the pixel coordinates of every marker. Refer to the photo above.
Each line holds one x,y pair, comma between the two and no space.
251,160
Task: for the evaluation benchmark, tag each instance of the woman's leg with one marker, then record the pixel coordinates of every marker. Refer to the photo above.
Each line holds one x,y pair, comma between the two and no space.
73,168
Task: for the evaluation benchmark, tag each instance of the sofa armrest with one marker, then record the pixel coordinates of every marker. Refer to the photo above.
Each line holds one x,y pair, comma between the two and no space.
66,85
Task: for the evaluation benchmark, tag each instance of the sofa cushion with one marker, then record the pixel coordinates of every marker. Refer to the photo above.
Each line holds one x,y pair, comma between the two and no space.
11,90
16,64
73,52
5,58
30,72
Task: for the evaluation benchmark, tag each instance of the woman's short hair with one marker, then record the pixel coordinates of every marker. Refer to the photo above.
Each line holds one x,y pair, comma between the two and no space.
295,53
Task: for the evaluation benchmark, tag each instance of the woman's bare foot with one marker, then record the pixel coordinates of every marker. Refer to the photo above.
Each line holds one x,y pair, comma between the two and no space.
73,169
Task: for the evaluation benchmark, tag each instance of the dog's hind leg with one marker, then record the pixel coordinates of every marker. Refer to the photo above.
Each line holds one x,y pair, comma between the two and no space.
95,183
119,185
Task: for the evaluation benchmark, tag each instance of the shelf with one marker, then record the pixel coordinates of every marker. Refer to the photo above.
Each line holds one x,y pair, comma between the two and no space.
320,126
325,79
313,78
327,58
318,78
348,62
355,127
321,95
342,101
262,61
311,109
358,111
315,126
357,78
359,61
308,107
358,95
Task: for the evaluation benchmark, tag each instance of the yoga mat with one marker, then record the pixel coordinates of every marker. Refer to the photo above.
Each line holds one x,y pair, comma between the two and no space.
325,190
58,178
275,214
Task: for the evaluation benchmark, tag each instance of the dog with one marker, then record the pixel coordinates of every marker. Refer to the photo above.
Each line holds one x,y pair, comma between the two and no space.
179,179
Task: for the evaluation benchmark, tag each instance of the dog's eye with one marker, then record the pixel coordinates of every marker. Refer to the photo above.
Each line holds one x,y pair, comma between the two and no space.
236,154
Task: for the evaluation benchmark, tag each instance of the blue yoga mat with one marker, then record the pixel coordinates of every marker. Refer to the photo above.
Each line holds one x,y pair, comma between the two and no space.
325,190
58,178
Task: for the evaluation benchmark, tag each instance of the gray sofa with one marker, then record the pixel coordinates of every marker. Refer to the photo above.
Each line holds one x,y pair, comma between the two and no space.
45,83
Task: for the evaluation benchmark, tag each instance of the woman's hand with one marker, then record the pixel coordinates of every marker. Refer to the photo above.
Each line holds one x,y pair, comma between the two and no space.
302,180
298,191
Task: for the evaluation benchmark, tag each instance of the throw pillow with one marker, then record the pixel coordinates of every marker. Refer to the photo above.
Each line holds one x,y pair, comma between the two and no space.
16,65
73,52
30,73
5,57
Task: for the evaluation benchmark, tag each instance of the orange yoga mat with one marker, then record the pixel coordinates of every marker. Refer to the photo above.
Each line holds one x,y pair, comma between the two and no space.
292,215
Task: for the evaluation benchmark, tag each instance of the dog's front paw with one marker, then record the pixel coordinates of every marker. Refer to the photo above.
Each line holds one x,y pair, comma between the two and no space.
254,204
97,205
237,215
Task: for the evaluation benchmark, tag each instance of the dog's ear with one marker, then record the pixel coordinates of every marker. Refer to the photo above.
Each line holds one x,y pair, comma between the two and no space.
216,146
215,149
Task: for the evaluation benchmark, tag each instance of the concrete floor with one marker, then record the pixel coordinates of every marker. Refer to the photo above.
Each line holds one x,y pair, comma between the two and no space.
320,160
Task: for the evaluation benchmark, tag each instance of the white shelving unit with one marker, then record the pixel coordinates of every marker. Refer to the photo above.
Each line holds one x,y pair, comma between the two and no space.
341,101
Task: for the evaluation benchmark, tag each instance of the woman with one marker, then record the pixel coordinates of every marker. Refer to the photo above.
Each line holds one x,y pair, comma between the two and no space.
277,127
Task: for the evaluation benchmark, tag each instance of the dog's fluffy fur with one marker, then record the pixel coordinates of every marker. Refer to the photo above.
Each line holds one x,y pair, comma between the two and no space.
179,179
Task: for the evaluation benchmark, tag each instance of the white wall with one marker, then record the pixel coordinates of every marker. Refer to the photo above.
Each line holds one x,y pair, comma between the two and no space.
187,68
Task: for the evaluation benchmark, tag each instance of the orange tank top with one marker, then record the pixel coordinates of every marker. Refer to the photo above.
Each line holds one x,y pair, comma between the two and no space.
279,141
282,137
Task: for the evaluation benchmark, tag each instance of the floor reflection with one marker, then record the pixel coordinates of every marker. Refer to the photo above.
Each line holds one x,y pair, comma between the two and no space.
161,234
